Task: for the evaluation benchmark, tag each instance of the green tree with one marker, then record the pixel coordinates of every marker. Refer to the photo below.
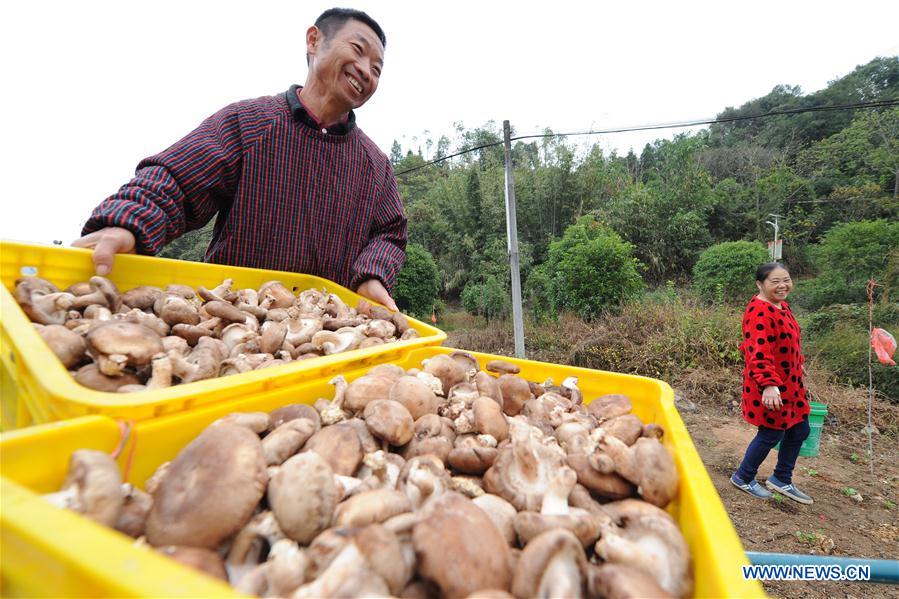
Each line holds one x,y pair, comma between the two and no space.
726,271
590,270
848,255
418,284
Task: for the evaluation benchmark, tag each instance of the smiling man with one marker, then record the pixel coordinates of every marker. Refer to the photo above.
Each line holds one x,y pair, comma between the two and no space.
293,183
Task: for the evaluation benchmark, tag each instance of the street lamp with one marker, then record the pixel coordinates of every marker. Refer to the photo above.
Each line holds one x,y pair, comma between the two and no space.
775,255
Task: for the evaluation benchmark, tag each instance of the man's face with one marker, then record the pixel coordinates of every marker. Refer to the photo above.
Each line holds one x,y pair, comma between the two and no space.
348,64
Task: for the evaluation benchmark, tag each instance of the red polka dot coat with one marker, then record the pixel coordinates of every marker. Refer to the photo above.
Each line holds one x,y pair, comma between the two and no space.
773,356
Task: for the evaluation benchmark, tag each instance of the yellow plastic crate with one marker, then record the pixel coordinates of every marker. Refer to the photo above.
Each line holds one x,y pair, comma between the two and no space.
36,388
47,551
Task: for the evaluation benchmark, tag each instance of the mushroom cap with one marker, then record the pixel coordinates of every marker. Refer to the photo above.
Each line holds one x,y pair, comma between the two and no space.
281,296
339,445
210,489
68,346
370,507
400,322
389,420
175,309
384,555
95,476
553,564
292,411
489,418
138,343
415,395
626,427
447,370
468,363
585,526
303,496
135,508
225,311
459,548
431,434
286,440
605,484
142,297
390,371
649,540
90,376
205,560
648,465
488,387
501,513
365,389
610,406
502,367
617,581
516,392
470,456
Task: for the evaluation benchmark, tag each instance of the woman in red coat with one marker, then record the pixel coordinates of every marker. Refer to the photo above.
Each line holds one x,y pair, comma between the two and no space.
773,392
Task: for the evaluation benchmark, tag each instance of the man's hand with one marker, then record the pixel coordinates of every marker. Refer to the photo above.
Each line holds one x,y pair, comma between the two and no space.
771,398
373,289
107,243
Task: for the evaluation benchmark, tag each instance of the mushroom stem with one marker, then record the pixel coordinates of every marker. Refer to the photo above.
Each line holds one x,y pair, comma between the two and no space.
555,500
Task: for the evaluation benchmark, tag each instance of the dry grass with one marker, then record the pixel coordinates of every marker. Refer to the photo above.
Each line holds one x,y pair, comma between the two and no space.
691,346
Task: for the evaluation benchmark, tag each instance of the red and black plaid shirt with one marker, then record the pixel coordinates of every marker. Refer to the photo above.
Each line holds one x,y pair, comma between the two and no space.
288,195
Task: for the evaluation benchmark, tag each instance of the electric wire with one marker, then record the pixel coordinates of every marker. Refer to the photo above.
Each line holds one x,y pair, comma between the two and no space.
673,125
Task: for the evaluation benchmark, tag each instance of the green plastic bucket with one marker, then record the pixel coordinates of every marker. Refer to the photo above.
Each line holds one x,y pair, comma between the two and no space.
812,443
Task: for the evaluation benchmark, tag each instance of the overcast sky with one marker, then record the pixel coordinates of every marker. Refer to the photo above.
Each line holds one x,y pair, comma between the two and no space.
90,87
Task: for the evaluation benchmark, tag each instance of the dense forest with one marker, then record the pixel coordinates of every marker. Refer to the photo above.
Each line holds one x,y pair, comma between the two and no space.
597,230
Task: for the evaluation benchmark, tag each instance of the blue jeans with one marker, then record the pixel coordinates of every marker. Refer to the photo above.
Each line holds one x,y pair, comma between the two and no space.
790,442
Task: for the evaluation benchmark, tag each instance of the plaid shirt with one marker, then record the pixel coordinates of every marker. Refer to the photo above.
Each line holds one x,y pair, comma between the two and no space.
288,195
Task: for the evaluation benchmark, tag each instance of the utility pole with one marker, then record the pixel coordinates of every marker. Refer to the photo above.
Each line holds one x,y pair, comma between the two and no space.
775,255
512,236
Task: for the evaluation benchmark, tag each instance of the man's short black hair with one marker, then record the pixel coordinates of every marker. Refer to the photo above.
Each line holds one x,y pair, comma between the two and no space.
333,19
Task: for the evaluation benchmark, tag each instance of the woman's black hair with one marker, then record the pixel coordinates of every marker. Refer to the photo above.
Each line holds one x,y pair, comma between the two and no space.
762,272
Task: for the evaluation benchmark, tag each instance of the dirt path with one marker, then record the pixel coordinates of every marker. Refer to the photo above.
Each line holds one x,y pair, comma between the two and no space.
836,523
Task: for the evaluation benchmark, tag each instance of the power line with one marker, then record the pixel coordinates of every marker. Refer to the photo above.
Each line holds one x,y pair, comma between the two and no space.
674,125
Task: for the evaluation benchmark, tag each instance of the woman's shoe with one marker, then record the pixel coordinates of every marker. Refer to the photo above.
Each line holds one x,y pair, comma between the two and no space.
753,487
789,490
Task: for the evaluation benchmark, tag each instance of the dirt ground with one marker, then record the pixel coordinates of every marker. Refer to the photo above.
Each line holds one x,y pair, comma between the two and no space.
860,524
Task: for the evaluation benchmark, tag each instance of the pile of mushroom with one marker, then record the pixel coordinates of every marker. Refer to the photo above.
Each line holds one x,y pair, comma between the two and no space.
443,480
151,338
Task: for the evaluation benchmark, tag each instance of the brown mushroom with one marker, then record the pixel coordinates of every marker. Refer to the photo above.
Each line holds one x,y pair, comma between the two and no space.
431,434
365,389
136,506
90,376
627,427
69,347
553,564
610,406
286,440
648,540
389,420
204,560
460,549
104,292
115,345
489,418
447,370
369,507
501,513
273,294
142,298
291,412
222,292
516,392
92,487
415,396
339,445
617,581
646,464
174,309
502,367
522,469
303,496
210,490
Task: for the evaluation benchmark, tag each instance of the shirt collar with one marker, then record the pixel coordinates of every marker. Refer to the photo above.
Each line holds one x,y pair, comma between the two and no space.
302,115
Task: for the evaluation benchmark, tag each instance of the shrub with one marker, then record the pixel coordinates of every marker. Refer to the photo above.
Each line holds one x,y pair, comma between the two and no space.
488,299
727,271
848,255
418,284
591,270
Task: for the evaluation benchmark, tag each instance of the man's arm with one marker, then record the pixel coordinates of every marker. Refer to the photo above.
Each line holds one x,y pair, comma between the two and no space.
383,257
175,191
